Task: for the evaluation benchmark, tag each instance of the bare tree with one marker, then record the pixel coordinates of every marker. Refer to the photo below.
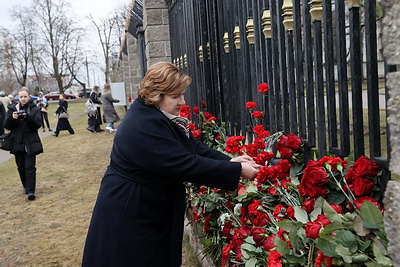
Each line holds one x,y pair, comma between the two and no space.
110,30
21,40
61,38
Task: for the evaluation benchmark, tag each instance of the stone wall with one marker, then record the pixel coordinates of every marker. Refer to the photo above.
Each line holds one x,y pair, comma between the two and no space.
391,51
156,27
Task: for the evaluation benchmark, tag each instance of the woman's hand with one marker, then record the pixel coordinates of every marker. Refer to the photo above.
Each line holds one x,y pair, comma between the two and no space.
249,170
243,159
15,115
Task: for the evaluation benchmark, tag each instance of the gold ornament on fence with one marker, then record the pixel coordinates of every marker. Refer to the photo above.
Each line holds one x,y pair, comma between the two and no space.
226,42
287,9
236,37
316,9
201,53
250,31
266,23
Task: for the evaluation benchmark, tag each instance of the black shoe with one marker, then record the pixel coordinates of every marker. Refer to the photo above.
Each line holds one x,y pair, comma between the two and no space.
44,130
49,130
55,134
100,130
31,196
90,130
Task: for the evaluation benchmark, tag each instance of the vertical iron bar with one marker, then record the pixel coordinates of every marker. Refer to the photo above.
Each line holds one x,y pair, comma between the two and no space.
282,68
330,75
342,80
275,63
372,78
299,69
309,79
319,87
291,83
356,81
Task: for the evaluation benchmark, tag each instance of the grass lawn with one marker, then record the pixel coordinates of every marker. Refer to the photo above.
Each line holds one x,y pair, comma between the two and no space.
51,230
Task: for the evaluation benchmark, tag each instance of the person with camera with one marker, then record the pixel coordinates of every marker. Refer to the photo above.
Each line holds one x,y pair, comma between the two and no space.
23,119
43,105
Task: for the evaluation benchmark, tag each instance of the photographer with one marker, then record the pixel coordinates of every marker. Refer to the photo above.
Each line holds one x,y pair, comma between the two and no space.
23,119
42,104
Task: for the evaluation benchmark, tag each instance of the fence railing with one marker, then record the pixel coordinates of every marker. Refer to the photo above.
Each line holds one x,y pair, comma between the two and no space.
320,58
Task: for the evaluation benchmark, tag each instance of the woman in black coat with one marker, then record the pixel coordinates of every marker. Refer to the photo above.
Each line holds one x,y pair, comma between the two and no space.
94,120
139,214
23,119
62,123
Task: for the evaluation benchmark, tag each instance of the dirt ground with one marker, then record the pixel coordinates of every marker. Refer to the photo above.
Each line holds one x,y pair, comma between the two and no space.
51,230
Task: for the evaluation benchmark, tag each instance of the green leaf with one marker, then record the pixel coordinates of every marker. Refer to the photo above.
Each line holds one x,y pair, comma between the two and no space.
332,227
330,213
326,247
281,246
371,215
359,226
347,239
247,250
336,197
300,215
251,262
359,258
296,259
344,253
314,214
366,244
380,258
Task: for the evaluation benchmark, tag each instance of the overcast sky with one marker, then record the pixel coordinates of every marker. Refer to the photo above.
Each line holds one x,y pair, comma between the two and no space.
82,9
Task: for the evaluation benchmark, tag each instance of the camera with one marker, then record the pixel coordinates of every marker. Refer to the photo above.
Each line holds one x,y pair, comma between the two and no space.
21,114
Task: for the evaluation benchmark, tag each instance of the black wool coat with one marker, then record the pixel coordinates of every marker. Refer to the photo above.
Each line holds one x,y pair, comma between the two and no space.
139,213
24,131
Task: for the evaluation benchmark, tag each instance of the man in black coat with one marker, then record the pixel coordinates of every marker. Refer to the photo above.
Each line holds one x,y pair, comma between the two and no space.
23,119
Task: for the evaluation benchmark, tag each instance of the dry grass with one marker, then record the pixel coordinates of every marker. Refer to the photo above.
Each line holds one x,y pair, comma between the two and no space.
51,230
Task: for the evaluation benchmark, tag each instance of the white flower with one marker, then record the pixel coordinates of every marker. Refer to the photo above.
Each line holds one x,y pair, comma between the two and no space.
223,218
237,208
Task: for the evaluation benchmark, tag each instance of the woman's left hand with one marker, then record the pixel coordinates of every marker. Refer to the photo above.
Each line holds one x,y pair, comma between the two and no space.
243,159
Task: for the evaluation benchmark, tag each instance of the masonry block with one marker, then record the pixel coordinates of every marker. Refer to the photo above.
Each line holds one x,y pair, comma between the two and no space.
157,33
391,31
392,219
149,4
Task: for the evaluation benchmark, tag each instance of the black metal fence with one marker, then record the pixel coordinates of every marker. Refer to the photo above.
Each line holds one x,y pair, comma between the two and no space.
320,59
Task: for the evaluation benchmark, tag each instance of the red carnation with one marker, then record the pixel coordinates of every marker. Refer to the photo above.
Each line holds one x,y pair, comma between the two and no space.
203,104
185,112
274,259
263,88
293,141
257,114
258,129
269,242
207,115
196,110
192,127
251,105
234,144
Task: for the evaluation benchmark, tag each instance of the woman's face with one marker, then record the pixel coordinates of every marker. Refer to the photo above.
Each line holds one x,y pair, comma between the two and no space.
23,97
172,103
61,97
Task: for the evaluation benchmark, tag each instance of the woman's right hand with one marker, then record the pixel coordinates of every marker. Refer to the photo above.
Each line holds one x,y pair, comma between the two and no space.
249,170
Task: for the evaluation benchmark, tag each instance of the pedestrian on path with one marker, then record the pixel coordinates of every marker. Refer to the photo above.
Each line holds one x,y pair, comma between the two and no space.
94,120
63,122
110,116
5,100
43,105
139,213
23,119
2,117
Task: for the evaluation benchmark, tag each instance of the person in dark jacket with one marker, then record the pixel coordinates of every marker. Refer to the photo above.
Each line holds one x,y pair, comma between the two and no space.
62,123
23,119
139,213
94,121
2,117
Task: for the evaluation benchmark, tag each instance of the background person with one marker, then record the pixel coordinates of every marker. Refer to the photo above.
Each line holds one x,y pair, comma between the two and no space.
43,105
2,117
5,100
94,121
139,214
62,123
23,119
110,116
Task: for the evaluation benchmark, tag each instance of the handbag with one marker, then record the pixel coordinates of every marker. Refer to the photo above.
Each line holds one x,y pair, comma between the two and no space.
91,108
6,141
63,115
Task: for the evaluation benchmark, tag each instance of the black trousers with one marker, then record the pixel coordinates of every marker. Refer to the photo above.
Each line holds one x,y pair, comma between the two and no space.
26,165
45,118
